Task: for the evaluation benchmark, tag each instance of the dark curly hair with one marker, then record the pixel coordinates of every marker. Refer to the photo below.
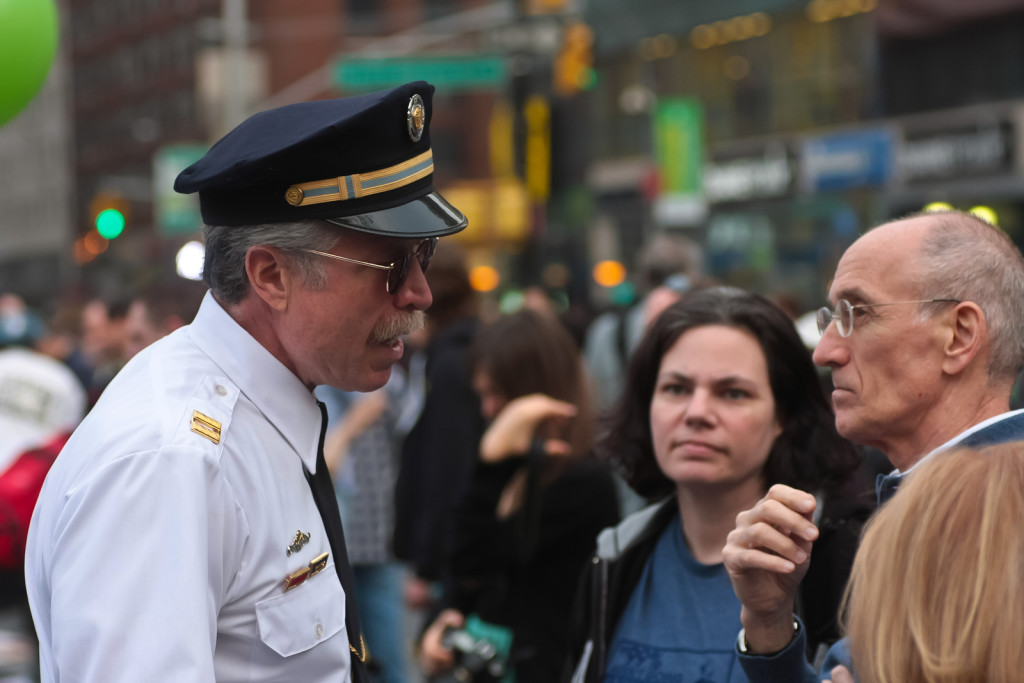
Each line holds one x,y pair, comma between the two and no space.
808,454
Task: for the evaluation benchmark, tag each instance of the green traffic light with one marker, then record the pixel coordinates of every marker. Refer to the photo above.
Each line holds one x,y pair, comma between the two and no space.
110,223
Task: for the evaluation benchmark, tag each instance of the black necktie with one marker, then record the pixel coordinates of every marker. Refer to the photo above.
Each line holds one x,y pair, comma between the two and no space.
323,493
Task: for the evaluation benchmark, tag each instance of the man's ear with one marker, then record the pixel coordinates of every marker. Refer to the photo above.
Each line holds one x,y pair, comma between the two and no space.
269,275
969,335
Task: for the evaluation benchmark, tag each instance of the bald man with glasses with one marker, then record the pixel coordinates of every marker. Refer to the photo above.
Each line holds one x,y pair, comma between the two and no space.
189,530
924,337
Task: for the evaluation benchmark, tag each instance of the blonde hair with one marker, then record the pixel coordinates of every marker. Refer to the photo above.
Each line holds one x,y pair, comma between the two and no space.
937,586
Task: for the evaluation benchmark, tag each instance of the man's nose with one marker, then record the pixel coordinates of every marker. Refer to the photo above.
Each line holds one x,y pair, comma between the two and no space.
414,292
828,351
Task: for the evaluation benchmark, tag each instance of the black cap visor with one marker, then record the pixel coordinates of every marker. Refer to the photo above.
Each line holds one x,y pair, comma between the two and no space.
428,216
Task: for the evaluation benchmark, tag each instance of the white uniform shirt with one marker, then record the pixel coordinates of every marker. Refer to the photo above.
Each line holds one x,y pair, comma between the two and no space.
155,554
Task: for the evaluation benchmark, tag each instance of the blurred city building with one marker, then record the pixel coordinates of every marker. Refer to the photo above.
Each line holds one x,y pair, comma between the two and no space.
569,131
815,119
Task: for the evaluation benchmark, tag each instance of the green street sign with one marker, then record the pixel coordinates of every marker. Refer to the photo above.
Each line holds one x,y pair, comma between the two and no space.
175,214
447,72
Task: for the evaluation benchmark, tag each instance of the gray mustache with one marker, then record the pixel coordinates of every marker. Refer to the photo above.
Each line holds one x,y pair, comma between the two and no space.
398,326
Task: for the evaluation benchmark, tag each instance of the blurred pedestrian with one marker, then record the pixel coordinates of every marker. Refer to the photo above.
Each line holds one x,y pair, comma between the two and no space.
439,454
61,340
189,530
157,310
19,325
667,267
721,402
535,502
103,341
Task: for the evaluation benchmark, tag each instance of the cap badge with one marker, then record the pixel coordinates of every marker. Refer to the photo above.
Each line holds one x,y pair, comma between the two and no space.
294,196
416,117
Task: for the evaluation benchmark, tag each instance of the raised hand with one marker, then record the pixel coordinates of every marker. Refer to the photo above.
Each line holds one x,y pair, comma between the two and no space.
767,555
514,427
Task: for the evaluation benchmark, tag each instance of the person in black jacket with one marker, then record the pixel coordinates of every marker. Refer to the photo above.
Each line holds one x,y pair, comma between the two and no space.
439,452
534,504
721,402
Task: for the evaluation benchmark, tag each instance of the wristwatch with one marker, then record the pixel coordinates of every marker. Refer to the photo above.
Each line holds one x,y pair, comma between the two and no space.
744,646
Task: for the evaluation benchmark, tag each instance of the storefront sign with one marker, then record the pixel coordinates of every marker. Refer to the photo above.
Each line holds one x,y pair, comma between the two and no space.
742,179
846,160
954,153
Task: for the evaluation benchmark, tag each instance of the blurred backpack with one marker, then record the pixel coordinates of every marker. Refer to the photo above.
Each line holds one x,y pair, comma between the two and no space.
41,403
20,484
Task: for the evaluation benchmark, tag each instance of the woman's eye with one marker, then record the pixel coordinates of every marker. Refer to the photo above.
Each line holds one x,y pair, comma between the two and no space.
735,394
673,389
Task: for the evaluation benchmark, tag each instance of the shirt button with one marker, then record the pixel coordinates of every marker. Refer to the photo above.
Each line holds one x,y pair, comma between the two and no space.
221,390
319,631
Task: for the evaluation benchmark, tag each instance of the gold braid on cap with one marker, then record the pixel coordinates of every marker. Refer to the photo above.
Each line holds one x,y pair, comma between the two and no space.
361,184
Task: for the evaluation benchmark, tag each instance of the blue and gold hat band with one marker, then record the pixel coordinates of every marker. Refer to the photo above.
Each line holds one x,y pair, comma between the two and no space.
361,184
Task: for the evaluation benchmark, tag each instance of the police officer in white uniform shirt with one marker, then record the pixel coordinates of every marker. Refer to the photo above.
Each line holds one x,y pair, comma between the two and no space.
185,532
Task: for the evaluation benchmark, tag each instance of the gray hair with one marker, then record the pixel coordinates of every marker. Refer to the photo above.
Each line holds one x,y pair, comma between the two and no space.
226,247
966,258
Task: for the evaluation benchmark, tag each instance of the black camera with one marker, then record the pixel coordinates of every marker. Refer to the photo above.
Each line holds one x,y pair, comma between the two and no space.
477,660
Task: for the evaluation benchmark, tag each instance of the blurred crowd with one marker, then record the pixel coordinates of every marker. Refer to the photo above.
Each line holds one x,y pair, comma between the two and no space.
474,486
438,538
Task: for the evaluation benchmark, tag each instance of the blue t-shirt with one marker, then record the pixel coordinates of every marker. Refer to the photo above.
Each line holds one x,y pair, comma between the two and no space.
681,622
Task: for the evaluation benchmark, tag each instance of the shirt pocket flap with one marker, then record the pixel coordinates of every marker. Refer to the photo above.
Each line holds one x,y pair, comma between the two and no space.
304,616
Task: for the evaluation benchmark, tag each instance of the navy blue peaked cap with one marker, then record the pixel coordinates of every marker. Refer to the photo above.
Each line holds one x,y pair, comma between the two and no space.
361,162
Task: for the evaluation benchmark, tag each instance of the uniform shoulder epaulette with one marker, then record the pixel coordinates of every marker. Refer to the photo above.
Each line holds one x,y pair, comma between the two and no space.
209,411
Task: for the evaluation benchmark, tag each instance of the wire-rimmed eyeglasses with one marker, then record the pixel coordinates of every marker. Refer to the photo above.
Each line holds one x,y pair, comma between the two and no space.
844,313
398,270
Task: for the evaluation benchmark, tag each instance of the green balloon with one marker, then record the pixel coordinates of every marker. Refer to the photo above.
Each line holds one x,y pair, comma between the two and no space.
28,41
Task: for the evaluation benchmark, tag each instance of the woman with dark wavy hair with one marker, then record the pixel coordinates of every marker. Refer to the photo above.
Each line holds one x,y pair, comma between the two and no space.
721,402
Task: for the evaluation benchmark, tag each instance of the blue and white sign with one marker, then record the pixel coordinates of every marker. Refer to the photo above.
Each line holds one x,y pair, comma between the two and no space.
845,160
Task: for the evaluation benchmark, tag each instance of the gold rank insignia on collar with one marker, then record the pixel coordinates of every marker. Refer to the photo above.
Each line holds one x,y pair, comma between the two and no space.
315,566
300,540
204,425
